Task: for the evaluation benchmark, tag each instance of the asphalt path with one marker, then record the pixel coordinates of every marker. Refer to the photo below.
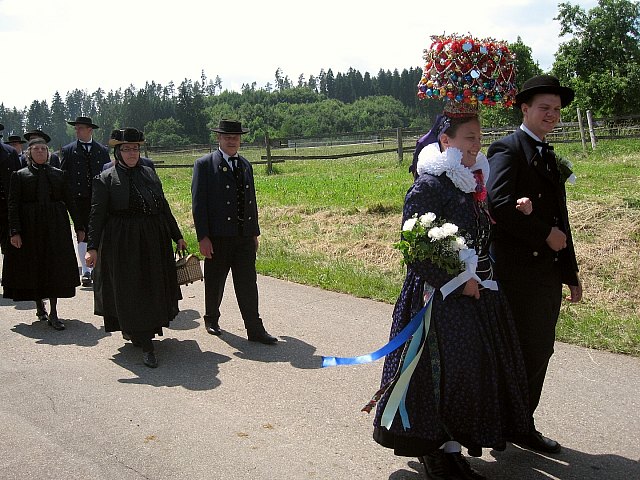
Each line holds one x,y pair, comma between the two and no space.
80,404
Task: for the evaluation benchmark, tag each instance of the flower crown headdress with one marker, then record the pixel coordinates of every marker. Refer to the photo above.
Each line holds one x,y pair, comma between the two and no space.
467,72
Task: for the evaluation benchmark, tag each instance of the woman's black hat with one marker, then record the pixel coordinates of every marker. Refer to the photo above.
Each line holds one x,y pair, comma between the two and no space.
230,126
83,121
544,84
37,133
126,135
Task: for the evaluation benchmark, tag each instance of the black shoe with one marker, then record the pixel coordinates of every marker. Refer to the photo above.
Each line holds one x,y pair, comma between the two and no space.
86,279
55,322
461,466
149,359
263,337
437,467
212,327
536,441
43,316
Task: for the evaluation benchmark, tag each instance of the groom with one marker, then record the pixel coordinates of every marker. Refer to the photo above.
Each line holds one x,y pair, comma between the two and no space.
534,254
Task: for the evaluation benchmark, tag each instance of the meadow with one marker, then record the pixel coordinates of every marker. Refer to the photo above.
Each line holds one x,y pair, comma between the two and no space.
332,223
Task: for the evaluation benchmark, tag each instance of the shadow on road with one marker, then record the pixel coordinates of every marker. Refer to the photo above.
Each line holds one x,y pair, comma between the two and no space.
289,349
77,332
181,363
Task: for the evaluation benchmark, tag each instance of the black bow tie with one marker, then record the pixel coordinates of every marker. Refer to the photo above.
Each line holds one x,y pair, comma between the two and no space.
544,145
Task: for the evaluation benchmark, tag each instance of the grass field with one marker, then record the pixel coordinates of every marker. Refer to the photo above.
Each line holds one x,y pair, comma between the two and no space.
331,223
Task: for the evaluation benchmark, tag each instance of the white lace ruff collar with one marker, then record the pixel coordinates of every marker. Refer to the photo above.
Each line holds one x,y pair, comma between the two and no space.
434,162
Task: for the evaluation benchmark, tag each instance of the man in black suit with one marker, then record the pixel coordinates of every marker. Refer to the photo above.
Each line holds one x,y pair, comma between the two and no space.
54,160
9,163
16,142
81,161
225,216
534,254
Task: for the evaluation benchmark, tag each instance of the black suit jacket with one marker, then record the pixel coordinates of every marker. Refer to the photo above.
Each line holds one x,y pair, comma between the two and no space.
519,170
214,198
9,163
75,166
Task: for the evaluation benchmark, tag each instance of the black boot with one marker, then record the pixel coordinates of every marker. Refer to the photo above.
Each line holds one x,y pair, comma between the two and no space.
55,322
437,467
462,468
41,311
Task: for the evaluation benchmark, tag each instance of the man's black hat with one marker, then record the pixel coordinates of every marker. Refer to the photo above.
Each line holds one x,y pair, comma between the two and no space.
230,126
15,139
544,84
37,133
83,121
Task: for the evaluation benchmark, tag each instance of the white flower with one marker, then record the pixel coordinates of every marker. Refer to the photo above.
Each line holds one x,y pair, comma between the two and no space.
436,233
427,219
449,229
459,243
409,224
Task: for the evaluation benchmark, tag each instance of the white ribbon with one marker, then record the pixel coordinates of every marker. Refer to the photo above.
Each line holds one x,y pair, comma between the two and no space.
470,259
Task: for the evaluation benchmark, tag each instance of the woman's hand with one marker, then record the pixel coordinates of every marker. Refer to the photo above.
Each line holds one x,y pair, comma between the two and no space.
91,257
471,289
181,244
16,240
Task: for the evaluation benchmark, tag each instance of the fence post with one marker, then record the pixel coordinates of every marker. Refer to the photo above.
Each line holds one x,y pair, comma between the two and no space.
399,135
268,145
581,127
592,132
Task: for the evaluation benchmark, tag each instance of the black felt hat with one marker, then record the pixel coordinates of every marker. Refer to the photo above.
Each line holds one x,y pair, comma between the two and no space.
544,84
126,135
37,133
83,121
230,126
15,139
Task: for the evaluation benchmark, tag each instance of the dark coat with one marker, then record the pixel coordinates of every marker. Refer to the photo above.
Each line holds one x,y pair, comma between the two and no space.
518,170
74,164
39,207
214,197
9,163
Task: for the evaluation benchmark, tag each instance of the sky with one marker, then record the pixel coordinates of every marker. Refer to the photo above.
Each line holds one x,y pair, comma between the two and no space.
61,45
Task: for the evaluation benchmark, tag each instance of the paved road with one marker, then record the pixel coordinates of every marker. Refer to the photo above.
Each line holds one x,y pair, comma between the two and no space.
79,404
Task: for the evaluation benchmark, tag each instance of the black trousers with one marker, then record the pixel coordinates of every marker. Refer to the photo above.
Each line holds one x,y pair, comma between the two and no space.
535,304
83,207
237,254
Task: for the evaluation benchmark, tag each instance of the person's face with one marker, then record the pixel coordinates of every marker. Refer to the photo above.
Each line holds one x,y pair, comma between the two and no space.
229,142
543,114
17,146
39,153
83,132
130,153
467,139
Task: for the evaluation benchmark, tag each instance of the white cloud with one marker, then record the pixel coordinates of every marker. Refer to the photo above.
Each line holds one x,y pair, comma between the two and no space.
115,43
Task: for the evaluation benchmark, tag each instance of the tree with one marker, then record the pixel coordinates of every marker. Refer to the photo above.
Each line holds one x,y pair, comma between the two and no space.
600,61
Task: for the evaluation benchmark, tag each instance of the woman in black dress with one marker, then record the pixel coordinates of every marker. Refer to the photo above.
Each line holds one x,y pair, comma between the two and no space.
129,242
41,261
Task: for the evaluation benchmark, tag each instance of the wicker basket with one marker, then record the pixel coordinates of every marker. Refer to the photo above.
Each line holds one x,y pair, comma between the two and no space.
188,268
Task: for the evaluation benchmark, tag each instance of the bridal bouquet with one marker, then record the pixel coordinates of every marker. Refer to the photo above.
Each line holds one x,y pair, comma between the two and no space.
426,238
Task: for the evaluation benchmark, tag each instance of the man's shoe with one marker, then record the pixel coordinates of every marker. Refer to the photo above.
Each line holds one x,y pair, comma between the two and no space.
461,467
263,337
149,359
55,322
86,279
536,441
437,467
212,327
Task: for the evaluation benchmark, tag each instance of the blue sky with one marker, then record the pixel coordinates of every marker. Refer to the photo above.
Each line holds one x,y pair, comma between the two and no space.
60,45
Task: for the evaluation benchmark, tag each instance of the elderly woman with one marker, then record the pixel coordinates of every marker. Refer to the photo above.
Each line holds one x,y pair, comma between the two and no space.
41,262
129,243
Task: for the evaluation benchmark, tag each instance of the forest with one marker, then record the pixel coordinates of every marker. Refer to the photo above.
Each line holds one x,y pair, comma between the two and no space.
600,60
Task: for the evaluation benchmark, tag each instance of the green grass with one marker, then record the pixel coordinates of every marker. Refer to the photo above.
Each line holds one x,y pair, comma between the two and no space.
331,223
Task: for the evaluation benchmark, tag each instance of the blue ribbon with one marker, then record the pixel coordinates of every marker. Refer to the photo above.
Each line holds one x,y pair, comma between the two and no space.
397,341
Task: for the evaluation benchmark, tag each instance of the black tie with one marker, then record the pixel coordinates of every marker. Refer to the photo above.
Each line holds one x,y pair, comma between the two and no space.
233,161
86,146
545,147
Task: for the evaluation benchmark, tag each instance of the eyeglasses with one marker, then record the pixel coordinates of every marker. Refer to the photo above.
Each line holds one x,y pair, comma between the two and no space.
130,149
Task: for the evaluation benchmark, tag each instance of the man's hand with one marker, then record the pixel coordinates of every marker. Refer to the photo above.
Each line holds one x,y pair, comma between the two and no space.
16,240
80,236
575,292
557,240
257,242
90,258
206,248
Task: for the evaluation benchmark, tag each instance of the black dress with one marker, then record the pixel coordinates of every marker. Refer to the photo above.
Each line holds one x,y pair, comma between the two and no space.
470,384
45,266
131,226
